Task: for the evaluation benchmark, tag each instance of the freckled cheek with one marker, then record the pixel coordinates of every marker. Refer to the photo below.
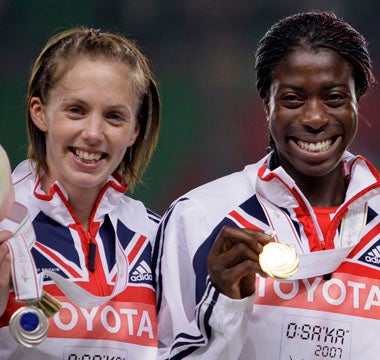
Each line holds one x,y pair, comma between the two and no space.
57,140
57,136
121,149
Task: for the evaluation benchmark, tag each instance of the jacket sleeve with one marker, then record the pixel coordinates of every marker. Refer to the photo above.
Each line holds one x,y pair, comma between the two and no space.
215,327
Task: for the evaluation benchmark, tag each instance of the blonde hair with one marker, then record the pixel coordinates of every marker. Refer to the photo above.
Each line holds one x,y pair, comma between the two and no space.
55,59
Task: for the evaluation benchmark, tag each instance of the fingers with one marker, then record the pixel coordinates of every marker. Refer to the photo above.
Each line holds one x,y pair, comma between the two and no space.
5,266
234,260
228,237
234,256
235,245
5,260
5,235
231,275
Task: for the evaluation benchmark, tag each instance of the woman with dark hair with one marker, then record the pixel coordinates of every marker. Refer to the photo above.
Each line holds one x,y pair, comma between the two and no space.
93,114
280,260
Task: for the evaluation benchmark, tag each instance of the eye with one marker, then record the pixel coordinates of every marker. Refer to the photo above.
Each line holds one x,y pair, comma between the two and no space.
291,100
75,111
335,99
116,118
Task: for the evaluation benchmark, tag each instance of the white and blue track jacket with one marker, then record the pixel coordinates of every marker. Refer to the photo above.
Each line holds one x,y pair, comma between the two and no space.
337,317
124,327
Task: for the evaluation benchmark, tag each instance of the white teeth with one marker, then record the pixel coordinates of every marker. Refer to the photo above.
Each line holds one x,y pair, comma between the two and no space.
84,155
315,147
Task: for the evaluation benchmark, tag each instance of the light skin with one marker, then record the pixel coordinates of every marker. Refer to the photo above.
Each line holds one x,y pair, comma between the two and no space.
89,121
7,200
5,269
312,111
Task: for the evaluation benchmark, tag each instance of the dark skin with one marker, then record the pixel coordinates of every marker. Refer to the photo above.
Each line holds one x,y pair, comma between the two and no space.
319,191
311,109
233,261
312,103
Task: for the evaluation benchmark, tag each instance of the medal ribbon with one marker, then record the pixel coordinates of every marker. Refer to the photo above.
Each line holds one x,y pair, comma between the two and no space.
315,263
27,282
24,274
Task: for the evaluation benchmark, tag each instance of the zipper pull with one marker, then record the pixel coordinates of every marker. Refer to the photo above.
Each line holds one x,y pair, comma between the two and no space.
91,256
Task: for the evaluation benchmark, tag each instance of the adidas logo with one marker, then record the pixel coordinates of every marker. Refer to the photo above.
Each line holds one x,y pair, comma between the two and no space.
372,256
142,273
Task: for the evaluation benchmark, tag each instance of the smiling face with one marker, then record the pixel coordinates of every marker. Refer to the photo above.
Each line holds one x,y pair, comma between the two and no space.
89,121
312,112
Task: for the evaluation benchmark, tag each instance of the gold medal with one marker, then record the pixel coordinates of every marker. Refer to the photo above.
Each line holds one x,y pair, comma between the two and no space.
278,260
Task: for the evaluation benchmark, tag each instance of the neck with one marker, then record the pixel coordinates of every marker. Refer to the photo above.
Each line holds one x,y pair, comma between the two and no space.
82,207
325,191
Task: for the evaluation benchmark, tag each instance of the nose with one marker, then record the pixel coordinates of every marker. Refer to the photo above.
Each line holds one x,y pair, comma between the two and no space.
315,115
93,130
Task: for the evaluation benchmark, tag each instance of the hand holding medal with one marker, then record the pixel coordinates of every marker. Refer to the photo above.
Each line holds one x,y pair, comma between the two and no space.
233,261
29,324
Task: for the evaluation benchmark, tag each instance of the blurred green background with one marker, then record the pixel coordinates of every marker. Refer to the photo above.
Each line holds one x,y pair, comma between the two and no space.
202,54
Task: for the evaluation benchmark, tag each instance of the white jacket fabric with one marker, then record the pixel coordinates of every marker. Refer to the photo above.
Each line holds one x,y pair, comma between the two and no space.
123,327
314,318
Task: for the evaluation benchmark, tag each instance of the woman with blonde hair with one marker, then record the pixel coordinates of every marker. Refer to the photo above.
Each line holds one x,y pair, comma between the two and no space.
93,113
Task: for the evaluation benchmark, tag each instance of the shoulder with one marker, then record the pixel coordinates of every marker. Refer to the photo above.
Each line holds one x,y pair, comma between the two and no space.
24,172
226,190
134,214
24,180
363,175
209,203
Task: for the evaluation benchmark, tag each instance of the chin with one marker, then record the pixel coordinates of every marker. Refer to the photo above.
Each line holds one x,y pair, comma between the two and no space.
318,172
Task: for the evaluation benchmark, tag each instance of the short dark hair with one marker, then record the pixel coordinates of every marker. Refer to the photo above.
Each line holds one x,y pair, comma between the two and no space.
312,30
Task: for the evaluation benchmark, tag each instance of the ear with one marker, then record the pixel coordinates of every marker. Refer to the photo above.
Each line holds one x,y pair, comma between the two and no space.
37,113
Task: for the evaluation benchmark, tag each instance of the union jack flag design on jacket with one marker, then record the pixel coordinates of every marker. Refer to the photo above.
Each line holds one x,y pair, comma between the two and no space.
320,317
121,328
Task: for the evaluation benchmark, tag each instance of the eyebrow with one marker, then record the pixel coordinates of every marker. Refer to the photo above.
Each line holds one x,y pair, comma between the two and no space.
325,87
79,101
337,84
